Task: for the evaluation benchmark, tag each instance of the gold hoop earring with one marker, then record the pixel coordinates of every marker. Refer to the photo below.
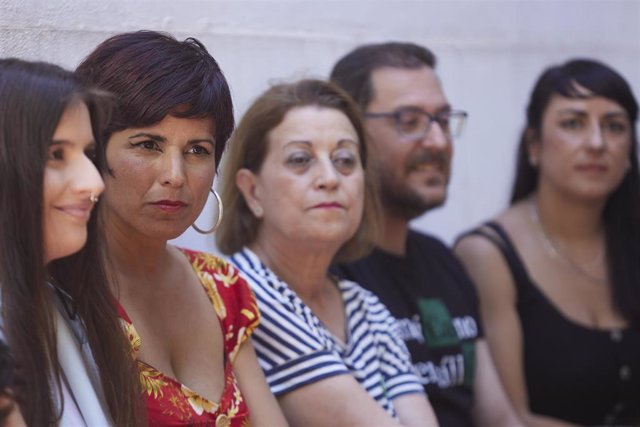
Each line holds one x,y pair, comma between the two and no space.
218,221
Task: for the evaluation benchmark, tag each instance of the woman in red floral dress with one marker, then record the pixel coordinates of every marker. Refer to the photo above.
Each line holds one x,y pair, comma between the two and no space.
187,314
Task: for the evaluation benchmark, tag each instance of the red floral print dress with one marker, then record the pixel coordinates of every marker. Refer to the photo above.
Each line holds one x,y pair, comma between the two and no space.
170,403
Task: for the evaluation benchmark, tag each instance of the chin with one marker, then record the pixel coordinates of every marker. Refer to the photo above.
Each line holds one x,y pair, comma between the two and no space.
164,230
64,250
325,237
595,193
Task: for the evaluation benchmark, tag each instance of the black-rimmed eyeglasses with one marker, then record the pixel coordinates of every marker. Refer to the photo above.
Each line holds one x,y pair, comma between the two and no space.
414,123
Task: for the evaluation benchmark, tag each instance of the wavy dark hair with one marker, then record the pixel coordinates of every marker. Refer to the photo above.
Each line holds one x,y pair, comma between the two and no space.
249,147
33,97
153,75
622,211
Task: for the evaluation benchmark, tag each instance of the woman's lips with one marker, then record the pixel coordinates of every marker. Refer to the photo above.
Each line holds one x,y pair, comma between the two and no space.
169,205
79,211
592,167
328,205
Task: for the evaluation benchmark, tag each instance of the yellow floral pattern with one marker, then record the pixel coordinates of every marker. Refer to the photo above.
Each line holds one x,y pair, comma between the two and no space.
199,403
168,401
151,380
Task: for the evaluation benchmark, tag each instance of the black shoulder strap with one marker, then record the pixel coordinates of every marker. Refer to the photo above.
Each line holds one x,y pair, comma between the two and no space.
498,236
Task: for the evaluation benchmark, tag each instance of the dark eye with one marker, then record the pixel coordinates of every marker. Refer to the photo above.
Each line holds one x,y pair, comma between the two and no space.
298,159
147,145
409,121
56,154
198,150
345,162
444,121
91,154
616,127
571,124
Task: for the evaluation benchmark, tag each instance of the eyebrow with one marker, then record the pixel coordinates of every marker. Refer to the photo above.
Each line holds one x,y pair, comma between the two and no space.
584,113
444,108
151,136
67,143
159,138
308,143
348,141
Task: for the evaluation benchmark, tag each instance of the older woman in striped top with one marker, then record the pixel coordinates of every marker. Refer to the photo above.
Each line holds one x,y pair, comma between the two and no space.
295,184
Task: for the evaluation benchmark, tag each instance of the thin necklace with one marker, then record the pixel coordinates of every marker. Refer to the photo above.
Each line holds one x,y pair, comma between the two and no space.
556,251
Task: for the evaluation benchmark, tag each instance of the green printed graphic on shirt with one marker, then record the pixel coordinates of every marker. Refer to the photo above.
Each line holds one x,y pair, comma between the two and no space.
469,353
437,324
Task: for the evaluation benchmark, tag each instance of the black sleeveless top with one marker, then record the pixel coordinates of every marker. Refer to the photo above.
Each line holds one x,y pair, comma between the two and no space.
575,373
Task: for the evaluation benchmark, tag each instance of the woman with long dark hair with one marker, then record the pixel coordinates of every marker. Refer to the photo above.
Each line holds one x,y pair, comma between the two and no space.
188,314
558,272
57,314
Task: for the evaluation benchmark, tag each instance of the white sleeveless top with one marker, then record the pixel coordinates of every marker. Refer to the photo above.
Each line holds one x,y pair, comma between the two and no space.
84,403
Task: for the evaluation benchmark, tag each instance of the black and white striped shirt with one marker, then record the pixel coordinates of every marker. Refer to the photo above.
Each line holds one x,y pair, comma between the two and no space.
294,348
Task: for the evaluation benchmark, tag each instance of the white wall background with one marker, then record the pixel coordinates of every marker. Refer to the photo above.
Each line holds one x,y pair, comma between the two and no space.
490,52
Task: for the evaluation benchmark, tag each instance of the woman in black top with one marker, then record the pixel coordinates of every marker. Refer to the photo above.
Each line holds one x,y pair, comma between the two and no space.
558,273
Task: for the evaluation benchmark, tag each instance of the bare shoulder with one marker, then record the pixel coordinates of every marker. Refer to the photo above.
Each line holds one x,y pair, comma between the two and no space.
483,248
482,256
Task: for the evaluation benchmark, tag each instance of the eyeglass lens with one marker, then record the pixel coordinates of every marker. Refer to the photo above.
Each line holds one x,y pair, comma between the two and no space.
416,123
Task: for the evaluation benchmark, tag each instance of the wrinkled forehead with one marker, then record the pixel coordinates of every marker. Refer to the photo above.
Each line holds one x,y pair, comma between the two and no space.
407,87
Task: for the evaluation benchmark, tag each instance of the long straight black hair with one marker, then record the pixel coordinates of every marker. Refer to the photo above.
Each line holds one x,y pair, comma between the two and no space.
622,211
33,97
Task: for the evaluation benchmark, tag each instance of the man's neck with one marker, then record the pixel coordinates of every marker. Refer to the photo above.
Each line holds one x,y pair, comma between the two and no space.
394,234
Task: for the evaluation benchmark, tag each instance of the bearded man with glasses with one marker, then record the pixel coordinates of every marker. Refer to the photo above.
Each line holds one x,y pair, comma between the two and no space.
410,130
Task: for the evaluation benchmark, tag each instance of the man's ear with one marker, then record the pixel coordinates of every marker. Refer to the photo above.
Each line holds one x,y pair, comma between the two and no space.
247,182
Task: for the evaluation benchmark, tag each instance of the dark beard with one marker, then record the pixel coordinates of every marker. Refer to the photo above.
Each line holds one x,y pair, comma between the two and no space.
405,204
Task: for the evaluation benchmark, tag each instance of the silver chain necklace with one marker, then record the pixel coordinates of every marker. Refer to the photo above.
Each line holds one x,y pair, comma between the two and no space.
556,251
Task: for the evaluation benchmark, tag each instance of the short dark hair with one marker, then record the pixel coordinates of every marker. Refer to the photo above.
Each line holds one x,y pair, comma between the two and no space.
152,74
353,71
249,146
622,210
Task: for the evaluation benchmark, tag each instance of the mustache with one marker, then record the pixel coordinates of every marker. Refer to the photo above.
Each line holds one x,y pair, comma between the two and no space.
439,158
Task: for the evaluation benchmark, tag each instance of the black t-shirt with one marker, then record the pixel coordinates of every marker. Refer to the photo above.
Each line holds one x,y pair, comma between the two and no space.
432,297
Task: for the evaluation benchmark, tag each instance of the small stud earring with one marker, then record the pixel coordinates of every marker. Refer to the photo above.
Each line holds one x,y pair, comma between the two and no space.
93,198
258,212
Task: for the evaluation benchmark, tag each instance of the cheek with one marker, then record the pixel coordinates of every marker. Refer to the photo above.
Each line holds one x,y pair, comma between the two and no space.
621,160
202,175
129,175
355,187
124,165
555,152
52,186
201,182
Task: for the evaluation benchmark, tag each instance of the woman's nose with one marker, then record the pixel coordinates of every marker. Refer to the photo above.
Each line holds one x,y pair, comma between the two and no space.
595,138
172,169
327,177
86,178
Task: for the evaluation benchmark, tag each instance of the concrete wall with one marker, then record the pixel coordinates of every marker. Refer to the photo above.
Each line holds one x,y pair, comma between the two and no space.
490,53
